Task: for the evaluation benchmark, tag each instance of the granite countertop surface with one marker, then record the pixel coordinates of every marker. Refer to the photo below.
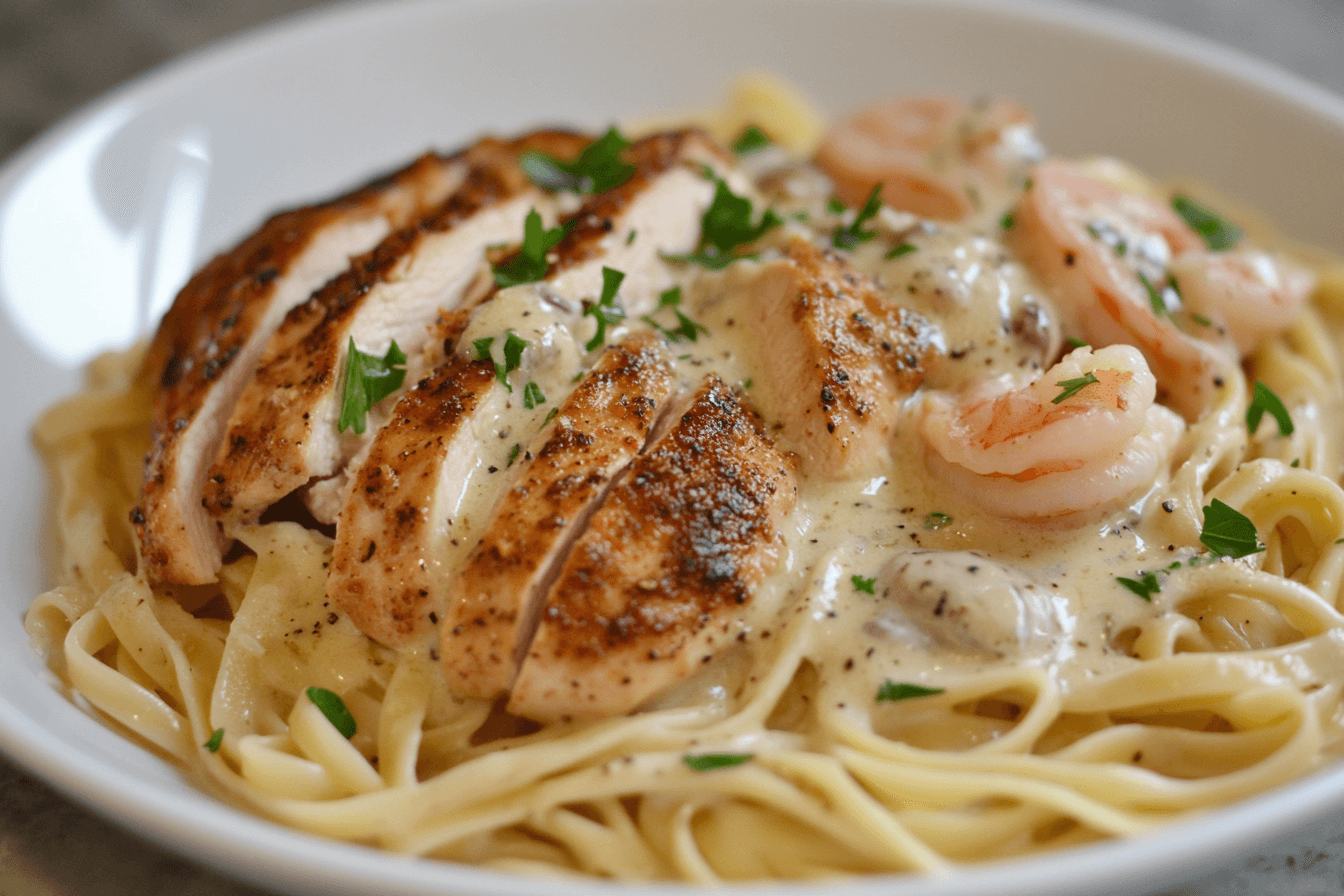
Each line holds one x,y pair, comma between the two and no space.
56,55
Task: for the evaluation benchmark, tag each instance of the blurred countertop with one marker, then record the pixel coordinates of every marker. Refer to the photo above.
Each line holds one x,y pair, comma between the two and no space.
57,55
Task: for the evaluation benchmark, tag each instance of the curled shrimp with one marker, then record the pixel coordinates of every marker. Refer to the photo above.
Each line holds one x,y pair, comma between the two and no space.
1244,293
1085,436
935,156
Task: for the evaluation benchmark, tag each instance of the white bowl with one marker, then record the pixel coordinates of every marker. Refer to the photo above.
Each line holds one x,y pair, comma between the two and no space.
102,219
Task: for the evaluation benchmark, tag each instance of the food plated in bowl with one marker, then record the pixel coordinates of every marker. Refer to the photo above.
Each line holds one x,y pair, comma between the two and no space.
672,321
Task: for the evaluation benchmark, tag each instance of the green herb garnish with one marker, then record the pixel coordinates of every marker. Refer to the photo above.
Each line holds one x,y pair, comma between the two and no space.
530,264
605,311
1007,221
752,139
333,707
862,584
216,739
835,206
708,762
368,380
1145,586
1228,533
891,691
1201,320
1074,386
1218,233
686,328
532,395
1154,297
513,454
854,234
597,169
936,520
725,227
1075,342
550,415
900,249
1263,399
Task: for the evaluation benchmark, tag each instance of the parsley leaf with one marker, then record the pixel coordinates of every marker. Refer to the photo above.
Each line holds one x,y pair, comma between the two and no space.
862,584
1218,233
891,691
1228,532
1263,399
900,249
854,234
513,351
1154,297
597,169
1007,222
513,454
1075,342
1145,586
605,311
685,329
333,707
1074,386
936,520
725,227
368,380
708,762
530,264
532,395
752,139
216,739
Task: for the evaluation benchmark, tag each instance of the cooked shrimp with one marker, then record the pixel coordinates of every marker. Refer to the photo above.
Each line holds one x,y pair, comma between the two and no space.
935,156
1084,436
1105,254
1245,293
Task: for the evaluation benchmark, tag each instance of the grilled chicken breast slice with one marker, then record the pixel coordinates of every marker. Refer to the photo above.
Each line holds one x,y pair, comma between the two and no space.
283,431
209,341
666,566
831,356
384,572
494,604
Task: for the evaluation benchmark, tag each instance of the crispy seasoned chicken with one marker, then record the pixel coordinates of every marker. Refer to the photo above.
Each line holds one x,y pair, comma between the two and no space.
832,357
494,604
661,576
209,342
385,572
283,431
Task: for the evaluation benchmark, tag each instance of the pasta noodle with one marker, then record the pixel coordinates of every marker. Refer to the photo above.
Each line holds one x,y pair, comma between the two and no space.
1226,681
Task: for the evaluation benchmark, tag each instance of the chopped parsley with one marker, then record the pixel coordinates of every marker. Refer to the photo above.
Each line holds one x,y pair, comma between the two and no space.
900,249
1075,342
606,310
597,169
550,415
854,234
368,380
835,206
513,355
1145,586
752,139
891,691
532,395
1074,386
513,454
686,328
530,264
862,584
1154,297
1201,320
725,228
333,707
708,762
1228,532
936,520
1007,221
216,739
1218,233
1263,399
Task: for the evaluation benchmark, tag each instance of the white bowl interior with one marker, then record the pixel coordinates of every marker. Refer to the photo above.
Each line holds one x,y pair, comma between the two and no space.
102,220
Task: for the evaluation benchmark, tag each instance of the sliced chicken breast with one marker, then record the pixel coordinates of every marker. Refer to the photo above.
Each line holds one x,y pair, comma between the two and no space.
832,357
494,604
209,341
283,431
666,567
